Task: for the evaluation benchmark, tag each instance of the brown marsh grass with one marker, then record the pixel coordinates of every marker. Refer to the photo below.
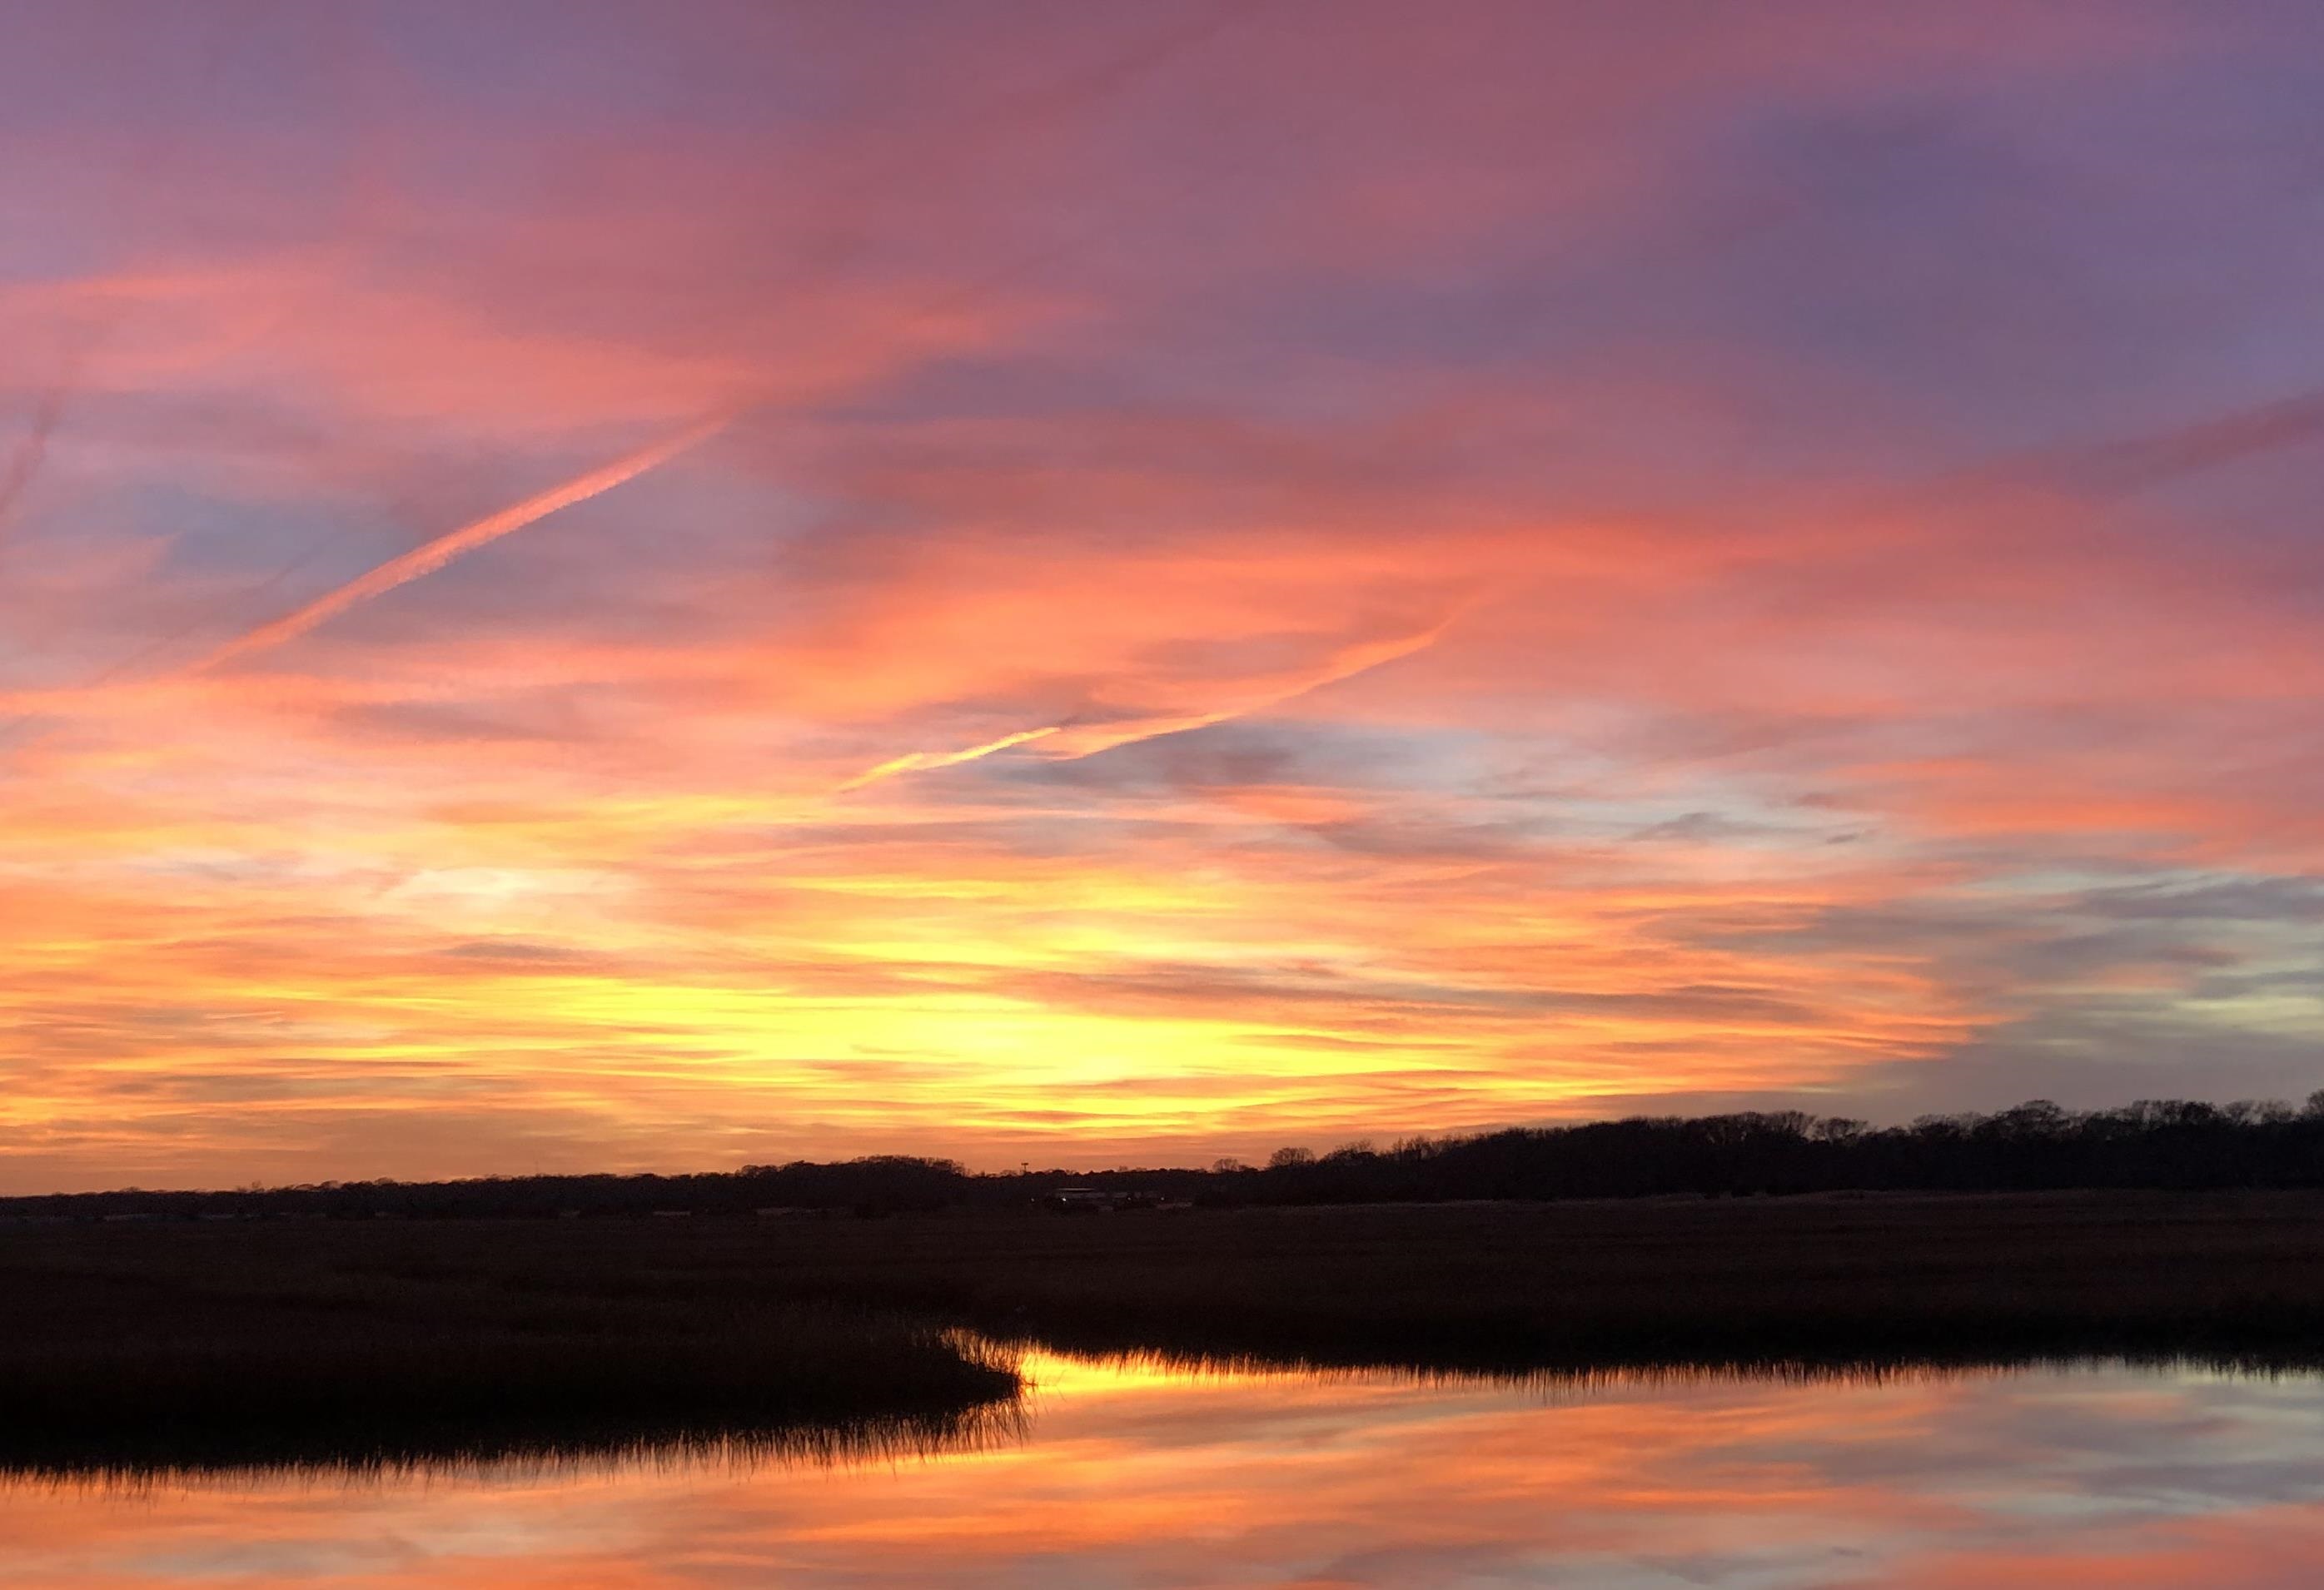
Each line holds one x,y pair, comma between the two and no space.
383,1342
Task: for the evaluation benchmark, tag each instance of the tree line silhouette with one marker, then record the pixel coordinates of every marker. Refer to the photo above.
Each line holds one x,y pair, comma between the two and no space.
2159,1143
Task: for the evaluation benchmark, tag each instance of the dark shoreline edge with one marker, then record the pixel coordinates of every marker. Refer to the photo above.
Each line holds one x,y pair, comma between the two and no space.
169,1456
152,1348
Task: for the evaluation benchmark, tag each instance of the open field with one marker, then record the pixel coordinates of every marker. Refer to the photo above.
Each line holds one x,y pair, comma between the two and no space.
277,1340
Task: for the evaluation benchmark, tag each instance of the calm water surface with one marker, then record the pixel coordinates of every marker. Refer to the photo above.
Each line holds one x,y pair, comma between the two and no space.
1128,1474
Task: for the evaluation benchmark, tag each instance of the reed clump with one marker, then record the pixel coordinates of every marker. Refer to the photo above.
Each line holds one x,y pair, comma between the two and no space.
182,1349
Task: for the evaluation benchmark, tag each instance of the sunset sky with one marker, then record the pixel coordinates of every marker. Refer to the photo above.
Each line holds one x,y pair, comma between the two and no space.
658,586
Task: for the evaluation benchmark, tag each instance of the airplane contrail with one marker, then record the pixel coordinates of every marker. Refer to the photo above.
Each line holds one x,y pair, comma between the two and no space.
430,557
1345,664
31,451
917,761
2138,462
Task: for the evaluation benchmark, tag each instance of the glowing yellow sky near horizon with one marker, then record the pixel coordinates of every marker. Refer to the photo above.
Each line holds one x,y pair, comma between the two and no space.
1259,595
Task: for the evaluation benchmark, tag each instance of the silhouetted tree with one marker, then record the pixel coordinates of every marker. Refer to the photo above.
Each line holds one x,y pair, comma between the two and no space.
2038,1144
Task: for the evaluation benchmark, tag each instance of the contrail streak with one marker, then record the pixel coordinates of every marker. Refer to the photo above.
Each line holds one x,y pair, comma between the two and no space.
2150,460
426,558
1346,663
31,450
918,762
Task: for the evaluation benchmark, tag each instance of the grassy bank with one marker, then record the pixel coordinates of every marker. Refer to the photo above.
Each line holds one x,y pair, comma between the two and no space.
193,1346
271,1341
1838,1283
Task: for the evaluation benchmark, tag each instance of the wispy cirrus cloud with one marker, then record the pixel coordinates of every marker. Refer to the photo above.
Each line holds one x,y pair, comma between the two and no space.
1270,588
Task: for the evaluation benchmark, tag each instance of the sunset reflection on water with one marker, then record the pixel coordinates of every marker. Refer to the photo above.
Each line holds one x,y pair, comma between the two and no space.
1140,1474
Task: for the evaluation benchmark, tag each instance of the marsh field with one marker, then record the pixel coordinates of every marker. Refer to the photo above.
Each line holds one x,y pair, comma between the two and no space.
191,1344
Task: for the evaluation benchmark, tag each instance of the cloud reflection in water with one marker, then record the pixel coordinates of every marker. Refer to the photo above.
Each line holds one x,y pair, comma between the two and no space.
1145,1473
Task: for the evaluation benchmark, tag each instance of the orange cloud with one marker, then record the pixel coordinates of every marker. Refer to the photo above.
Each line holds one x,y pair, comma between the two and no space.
1345,594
